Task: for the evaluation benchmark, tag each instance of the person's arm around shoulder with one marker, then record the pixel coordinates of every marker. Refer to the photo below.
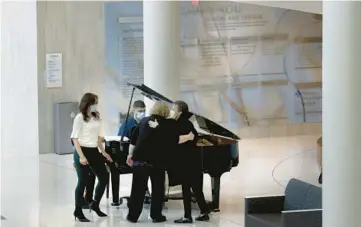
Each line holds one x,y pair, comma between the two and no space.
170,131
77,129
193,130
188,137
100,142
185,138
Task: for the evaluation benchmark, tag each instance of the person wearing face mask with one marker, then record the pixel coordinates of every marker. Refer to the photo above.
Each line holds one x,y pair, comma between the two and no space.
149,144
126,129
87,138
185,165
139,112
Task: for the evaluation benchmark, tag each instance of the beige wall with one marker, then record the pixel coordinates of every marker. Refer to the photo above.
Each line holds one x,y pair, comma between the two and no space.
75,29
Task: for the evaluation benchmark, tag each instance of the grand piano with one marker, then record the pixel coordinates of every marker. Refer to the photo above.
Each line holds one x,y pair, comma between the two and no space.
218,146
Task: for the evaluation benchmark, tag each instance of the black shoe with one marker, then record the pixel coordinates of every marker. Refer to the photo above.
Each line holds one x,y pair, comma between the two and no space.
183,221
95,207
203,217
131,219
159,219
78,214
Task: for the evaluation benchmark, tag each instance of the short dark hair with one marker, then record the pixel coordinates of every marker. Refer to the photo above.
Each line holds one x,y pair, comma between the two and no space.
182,106
139,104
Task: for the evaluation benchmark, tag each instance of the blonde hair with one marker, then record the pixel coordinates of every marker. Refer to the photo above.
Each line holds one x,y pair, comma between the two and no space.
160,109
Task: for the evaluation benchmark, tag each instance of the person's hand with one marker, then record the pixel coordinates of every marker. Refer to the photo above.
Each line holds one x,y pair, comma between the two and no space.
153,124
83,160
107,156
129,160
191,136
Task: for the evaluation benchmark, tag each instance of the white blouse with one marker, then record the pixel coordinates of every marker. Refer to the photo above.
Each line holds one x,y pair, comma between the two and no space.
86,132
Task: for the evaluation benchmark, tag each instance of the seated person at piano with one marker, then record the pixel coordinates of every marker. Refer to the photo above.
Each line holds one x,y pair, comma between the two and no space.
126,129
185,166
138,112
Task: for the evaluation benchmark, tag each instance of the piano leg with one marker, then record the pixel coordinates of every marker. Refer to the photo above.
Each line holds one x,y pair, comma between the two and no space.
215,190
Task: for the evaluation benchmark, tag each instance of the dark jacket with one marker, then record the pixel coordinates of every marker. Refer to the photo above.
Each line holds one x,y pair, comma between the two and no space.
152,144
184,160
126,127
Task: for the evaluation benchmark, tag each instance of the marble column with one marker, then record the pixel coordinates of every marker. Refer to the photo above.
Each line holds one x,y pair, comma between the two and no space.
161,41
161,32
341,113
19,114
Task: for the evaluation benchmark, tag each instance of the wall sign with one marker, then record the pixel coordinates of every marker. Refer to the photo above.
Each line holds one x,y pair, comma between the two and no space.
53,70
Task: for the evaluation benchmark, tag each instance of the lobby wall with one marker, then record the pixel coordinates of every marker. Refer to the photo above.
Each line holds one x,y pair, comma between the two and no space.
89,36
250,68
75,29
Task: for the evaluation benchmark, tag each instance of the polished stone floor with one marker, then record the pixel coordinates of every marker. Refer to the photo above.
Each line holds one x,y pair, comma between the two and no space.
38,191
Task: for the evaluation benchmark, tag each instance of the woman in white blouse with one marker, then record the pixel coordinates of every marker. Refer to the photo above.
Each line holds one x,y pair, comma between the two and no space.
87,138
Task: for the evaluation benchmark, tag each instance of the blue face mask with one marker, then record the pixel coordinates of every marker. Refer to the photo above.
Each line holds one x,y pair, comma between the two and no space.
140,115
93,108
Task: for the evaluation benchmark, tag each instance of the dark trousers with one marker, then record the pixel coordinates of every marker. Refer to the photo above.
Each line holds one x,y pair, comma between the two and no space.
139,188
115,175
194,183
115,183
97,166
86,181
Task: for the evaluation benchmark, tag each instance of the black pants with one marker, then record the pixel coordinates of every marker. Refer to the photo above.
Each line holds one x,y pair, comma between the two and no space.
139,188
194,183
115,183
96,163
86,180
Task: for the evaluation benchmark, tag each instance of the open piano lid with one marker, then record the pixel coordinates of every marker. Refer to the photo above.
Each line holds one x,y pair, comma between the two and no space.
149,93
204,125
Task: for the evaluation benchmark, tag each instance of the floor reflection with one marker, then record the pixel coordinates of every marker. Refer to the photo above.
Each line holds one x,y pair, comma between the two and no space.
47,199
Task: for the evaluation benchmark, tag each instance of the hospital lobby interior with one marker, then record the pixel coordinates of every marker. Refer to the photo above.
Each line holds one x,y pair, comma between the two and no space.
273,89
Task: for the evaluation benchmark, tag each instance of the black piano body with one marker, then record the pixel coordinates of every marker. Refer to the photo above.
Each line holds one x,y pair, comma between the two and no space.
220,153
218,146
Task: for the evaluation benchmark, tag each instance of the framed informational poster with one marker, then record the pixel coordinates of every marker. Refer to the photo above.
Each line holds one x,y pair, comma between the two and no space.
53,70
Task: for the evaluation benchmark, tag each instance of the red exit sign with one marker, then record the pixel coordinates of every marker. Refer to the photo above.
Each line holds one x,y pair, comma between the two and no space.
195,2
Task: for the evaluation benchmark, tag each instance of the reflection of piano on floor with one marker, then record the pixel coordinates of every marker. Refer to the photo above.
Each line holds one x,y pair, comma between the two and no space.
218,145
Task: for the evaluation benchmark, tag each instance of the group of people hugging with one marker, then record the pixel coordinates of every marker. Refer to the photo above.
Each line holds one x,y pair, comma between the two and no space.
165,140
